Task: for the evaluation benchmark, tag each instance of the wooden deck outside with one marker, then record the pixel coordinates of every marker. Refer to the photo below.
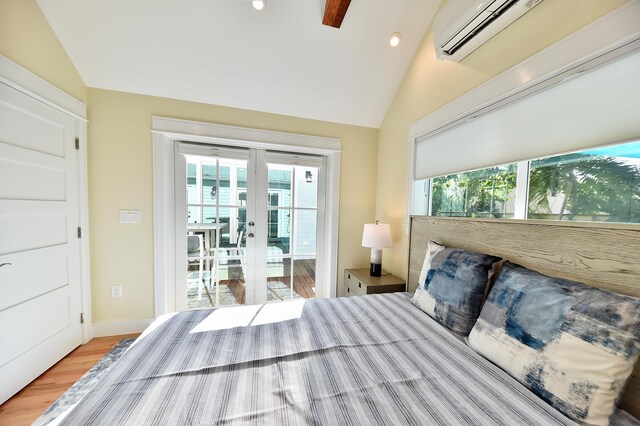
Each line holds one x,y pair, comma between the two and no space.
304,283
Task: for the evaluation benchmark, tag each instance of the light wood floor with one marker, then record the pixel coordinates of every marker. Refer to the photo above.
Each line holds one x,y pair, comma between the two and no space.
28,404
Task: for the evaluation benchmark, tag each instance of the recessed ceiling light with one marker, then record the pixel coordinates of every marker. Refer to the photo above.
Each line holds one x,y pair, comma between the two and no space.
394,40
258,4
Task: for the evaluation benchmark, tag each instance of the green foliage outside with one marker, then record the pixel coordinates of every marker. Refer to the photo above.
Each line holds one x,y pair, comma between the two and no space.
481,193
595,185
587,187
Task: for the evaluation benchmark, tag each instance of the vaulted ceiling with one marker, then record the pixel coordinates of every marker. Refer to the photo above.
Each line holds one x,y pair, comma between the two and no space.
280,60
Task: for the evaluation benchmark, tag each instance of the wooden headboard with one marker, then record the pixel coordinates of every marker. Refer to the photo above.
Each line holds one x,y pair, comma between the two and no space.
598,254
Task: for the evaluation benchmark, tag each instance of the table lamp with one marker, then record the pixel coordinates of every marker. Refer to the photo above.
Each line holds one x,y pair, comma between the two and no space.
376,236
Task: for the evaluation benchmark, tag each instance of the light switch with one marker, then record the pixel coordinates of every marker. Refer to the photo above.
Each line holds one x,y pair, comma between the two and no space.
130,216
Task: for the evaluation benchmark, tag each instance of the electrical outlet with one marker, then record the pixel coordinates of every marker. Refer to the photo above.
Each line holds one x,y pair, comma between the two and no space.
116,291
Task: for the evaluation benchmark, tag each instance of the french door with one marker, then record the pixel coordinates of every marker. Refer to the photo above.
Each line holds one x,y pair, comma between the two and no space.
252,223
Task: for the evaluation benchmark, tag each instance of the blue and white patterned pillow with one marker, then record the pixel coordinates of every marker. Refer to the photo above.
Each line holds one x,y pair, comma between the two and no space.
573,345
452,285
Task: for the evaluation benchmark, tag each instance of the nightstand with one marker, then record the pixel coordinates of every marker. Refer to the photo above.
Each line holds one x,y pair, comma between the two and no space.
358,282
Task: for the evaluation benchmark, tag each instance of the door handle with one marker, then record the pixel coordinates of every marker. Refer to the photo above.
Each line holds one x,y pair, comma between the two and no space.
251,223
5,264
250,235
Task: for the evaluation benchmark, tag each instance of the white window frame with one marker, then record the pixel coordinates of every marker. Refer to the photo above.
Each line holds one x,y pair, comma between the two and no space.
167,132
604,40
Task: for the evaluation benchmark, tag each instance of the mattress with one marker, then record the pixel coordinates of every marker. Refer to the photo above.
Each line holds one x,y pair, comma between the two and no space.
373,359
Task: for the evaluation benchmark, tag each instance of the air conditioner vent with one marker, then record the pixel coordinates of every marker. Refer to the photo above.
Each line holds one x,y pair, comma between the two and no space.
462,26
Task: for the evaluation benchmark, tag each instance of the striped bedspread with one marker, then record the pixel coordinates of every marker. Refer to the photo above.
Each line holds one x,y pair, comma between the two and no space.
351,361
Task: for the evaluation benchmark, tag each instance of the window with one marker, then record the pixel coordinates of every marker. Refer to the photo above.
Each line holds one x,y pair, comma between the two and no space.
600,185
217,192
482,193
550,118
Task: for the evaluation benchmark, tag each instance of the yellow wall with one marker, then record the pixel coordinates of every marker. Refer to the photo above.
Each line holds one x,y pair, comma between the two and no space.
120,177
27,39
430,84
120,161
120,164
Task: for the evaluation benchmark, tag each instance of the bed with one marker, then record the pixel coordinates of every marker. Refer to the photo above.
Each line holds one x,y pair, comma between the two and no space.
373,359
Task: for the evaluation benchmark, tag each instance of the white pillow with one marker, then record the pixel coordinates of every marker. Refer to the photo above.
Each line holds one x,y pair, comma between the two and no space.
573,345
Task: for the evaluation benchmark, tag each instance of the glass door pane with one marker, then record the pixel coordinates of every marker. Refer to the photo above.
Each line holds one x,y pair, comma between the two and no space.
251,227
216,231
292,204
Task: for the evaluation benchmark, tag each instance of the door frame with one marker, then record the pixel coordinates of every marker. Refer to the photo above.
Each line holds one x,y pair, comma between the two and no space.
24,81
168,131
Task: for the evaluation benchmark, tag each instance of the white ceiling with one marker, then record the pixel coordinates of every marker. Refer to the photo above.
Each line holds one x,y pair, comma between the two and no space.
280,60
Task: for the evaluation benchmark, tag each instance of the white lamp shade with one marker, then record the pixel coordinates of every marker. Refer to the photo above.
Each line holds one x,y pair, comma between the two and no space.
376,235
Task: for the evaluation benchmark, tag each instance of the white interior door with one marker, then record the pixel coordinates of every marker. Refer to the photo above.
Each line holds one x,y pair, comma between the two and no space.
254,226
40,292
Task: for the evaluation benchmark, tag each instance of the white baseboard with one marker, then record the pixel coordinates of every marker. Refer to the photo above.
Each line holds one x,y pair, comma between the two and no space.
114,328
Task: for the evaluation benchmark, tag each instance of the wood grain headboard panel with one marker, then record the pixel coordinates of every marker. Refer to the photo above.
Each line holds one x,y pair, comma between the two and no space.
601,255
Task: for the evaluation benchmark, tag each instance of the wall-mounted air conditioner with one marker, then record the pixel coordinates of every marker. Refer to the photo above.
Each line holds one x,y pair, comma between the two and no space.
464,25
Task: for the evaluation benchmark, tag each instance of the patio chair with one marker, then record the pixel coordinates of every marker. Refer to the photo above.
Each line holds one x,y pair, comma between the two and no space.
195,256
236,252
